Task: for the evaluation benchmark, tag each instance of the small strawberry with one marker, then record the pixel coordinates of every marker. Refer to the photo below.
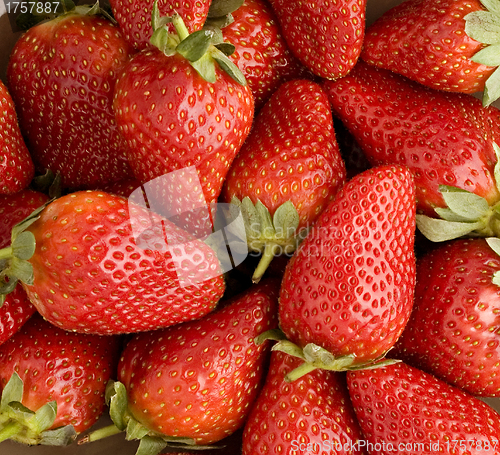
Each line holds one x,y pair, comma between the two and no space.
261,52
195,382
178,109
325,36
53,382
311,415
445,44
16,165
96,263
287,171
15,311
447,140
453,330
61,76
403,410
134,18
348,290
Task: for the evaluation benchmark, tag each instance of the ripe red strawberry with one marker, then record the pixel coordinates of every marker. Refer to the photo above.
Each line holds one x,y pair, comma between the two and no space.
195,381
287,171
100,264
16,165
447,140
261,53
325,36
311,415
134,18
403,410
14,312
177,113
438,44
61,75
348,289
453,329
63,373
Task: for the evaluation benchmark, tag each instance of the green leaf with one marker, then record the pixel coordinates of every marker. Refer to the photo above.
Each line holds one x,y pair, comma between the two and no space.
24,245
494,244
251,218
13,391
195,45
272,334
492,6
464,203
44,417
116,398
151,446
289,348
205,66
166,42
286,220
266,222
483,26
20,269
28,221
219,8
158,21
135,430
492,88
226,48
437,230
496,278
63,436
449,215
228,66
489,56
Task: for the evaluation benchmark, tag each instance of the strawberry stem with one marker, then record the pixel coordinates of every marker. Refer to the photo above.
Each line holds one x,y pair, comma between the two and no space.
300,371
6,253
180,27
10,430
270,251
101,433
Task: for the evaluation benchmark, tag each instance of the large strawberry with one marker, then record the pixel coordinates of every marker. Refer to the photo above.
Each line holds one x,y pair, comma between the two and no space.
96,263
134,18
53,382
194,382
447,140
16,165
287,171
348,290
325,36
261,52
178,109
403,410
311,415
453,329
449,45
61,75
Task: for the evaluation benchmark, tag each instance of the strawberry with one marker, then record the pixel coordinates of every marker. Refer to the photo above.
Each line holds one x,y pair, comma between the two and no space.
325,36
444,44
177,109
453,329
53,382
261,52
15,311
403,410
348,289
447,140
61,75
194,382
134,18
16,165
95,263
311,415
287,171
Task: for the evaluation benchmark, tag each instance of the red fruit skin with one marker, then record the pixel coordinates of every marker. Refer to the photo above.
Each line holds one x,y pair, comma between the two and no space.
453,330
14,313
72,369
173,119
325,36
400,404
313,411
261,53
16,165
426,42
61,75
291,154
349,286
443,138
102,265
207,372
15,208
134,17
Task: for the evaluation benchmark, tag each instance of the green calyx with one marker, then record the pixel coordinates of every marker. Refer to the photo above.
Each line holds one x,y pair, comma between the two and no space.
25,426
268,235
315,357
484,27
202,48
151,442
466,214
45,10
14,264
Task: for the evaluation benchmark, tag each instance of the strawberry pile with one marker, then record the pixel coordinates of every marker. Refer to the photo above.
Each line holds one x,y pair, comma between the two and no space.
252,227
